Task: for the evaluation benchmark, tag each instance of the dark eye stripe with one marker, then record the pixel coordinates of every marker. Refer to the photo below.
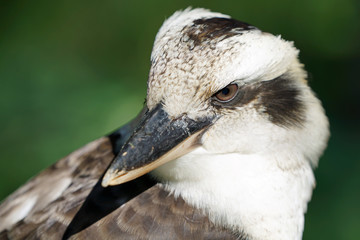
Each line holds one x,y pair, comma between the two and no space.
279,99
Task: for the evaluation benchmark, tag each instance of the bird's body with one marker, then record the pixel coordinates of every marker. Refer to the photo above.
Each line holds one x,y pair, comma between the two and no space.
154,214
230,131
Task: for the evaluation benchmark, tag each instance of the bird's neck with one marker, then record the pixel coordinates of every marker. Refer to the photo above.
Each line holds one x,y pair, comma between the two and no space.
250,194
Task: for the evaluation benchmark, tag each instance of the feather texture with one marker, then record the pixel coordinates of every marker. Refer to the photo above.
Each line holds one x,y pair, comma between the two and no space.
154,214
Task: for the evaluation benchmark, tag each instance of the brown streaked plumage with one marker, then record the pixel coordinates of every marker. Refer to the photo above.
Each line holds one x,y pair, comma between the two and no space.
83,167
153,214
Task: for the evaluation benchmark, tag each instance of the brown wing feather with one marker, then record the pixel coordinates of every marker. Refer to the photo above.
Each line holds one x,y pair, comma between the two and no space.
56,204
154,214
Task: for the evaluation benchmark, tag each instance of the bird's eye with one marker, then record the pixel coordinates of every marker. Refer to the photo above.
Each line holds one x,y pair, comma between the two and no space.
227,93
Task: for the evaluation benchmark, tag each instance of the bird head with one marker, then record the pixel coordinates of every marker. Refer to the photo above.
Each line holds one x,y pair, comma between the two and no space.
227,87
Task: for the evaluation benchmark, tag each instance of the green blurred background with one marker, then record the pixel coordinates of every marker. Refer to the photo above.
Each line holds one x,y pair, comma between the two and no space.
72,71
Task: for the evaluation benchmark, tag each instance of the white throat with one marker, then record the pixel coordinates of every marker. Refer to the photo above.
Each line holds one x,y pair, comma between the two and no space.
248,193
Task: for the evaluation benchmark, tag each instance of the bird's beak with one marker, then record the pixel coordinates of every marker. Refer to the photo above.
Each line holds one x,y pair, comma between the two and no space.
157,140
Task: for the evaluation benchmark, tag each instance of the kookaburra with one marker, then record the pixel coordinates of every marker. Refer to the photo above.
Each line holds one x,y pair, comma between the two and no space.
224,148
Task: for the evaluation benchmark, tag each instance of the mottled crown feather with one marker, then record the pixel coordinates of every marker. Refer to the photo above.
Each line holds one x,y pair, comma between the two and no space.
198,52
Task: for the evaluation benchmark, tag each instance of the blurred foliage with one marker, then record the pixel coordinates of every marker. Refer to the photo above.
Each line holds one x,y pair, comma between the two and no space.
72,71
